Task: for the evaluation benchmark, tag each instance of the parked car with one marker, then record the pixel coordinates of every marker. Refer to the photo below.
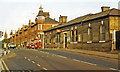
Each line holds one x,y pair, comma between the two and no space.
12,45
31,45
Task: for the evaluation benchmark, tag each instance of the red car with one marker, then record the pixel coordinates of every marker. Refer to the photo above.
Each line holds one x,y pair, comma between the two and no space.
31,45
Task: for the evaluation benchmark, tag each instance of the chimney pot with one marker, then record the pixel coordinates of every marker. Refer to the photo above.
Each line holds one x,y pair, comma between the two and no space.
105,8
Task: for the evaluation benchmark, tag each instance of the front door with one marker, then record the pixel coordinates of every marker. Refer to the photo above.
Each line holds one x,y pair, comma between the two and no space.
65,41
118,40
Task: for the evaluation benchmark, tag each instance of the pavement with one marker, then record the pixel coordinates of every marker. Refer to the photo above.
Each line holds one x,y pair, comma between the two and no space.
88,52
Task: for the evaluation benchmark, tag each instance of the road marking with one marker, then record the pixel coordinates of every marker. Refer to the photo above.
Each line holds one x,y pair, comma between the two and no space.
33,62
61,56
113,69
25,57
3,68
84,62
38,64
5,64
28,59
76,60
53,55
44,68
46,52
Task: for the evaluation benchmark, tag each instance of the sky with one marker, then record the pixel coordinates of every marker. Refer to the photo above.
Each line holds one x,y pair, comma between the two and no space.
15,13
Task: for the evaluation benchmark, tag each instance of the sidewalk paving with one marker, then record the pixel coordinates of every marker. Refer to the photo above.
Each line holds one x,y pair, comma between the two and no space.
88,52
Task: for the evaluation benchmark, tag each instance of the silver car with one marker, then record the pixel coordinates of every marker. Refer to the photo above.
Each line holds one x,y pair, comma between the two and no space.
12,45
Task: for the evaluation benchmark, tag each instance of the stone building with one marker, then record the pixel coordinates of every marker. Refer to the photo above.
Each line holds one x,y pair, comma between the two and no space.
91,31
34,30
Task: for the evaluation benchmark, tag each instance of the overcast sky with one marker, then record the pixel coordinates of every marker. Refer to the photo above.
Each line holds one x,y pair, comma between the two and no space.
15,13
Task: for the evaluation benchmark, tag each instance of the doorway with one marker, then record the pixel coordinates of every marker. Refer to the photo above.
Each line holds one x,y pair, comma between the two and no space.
65,40
118,40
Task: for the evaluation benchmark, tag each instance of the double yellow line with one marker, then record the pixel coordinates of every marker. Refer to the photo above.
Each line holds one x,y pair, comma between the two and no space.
6,68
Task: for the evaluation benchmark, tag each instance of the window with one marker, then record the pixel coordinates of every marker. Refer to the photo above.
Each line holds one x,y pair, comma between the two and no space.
56,39
90,33
72,35
46,38
41,26
102,32
76,35
50,40
38,26
59,37
79,38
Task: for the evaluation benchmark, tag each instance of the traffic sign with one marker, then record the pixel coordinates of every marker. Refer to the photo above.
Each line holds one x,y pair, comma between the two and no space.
1,34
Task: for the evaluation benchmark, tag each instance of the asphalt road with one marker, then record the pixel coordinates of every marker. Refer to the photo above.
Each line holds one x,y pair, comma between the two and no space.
25,59
103,62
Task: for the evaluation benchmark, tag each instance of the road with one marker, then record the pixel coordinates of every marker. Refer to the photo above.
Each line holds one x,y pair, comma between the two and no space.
36,60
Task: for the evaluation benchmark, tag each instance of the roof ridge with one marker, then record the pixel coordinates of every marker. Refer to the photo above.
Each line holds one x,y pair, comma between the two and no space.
52,19
80,17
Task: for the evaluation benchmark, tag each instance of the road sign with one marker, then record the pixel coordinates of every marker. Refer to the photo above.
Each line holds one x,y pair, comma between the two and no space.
1,34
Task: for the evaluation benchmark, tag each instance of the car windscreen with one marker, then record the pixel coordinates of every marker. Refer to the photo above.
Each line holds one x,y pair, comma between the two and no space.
12,43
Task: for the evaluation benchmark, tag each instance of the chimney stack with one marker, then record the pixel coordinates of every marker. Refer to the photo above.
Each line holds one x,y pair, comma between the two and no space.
63,19
105,8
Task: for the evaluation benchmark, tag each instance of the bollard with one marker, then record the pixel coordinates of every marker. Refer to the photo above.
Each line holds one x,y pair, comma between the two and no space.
8,51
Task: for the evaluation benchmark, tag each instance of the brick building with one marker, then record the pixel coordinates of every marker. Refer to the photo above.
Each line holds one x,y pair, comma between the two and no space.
91,31
34,30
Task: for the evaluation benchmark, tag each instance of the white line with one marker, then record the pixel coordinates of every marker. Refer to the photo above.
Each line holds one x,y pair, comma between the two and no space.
33,62
38,64
36,56
113,69
28,59
44,68
53,55
46,52
76,60
25,57
84,62
61,56
4,64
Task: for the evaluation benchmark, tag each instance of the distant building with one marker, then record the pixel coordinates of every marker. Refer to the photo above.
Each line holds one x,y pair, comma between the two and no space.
34,30
5,35
91,31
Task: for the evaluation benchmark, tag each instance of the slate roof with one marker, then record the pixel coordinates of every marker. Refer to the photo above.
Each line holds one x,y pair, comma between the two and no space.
50,20
88,17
